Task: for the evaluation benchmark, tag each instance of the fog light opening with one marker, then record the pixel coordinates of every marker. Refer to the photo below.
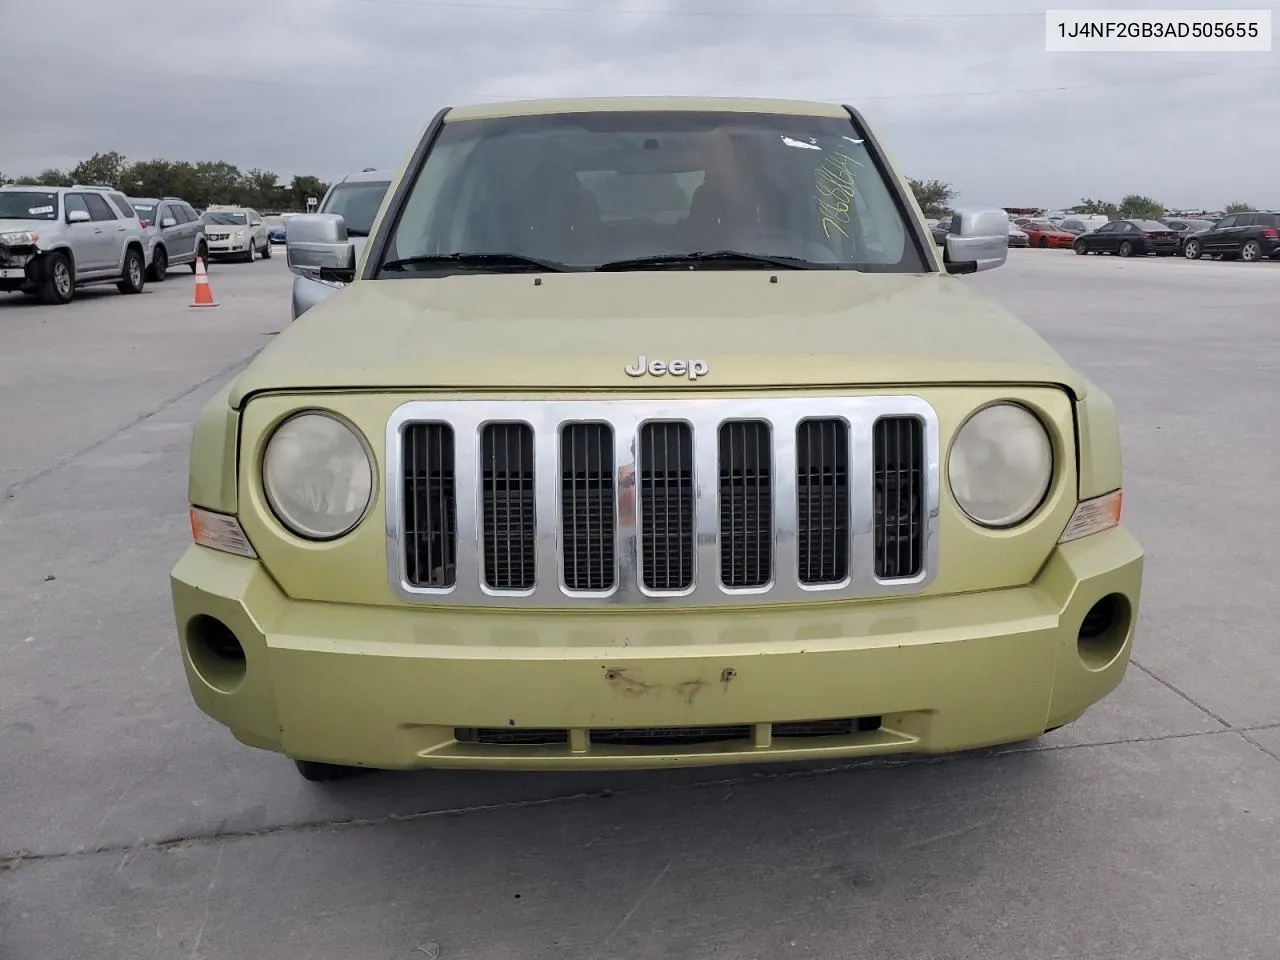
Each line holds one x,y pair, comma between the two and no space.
215,653
1104,630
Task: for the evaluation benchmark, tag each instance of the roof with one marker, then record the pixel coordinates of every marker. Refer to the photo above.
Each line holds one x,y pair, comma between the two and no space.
368,176
525,108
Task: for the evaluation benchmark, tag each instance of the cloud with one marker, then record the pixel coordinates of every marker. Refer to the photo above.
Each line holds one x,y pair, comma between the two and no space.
967,95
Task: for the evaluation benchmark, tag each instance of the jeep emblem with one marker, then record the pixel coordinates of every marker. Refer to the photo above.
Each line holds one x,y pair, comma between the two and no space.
693,369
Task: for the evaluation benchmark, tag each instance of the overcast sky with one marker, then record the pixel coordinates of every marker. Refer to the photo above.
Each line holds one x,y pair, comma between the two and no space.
962,90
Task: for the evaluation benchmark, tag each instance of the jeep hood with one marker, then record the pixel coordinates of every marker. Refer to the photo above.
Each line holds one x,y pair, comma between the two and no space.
578,331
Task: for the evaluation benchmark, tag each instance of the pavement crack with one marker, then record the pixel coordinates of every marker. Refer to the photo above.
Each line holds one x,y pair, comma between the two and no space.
12,490
1270,753
1185,696
18,859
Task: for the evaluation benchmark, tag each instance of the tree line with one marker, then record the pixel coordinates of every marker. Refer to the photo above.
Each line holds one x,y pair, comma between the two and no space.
937,198
200,184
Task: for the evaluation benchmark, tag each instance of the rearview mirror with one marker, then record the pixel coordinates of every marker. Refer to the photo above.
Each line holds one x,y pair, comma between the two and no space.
77,216
316,247
979,240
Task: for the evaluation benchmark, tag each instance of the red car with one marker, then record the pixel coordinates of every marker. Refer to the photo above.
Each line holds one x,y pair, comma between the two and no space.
1042,233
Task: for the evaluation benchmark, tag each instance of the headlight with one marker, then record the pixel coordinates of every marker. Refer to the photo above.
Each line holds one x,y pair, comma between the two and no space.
317,476
19,238
1001,465
239,234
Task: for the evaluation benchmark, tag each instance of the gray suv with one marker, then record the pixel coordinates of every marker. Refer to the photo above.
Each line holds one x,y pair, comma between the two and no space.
356,198
174,234
54,239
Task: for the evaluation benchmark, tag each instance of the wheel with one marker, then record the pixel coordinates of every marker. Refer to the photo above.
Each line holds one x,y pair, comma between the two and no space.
1191,249
266,251
1080,247
1126,249
253,252
133,278
159,266
202,253
326,772
59,284
1044,243
1251,251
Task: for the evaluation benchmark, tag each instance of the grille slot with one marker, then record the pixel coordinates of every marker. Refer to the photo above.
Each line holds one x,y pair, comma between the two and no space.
898,449
508,521
746,504
430,497
822,501
587,506
666,506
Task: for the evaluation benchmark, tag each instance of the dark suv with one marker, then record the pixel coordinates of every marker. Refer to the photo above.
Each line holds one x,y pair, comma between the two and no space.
1247,236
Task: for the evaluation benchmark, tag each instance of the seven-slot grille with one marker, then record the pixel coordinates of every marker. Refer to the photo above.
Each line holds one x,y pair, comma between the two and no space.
556,503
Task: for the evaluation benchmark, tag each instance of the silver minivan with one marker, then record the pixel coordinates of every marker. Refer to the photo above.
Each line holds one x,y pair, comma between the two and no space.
356,198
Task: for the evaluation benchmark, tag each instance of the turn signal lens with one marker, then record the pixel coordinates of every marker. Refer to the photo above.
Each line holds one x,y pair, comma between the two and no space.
1094,516
217,531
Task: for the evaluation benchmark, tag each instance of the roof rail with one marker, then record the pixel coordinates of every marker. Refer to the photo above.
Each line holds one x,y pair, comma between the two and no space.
92,186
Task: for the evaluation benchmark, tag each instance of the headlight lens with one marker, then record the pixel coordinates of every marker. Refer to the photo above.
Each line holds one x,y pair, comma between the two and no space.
1001,465
317,476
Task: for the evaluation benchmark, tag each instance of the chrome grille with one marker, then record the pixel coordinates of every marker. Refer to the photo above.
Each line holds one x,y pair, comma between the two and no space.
693,502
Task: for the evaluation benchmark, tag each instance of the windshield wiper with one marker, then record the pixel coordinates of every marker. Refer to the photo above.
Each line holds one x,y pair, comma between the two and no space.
357,232
464,260
696,257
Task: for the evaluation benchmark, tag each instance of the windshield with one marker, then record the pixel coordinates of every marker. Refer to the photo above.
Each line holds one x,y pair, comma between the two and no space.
357,204
146,211
588,189
227,218
28,205
1150,225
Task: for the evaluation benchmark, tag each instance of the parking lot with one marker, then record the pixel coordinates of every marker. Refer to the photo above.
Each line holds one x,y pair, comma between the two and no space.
132,826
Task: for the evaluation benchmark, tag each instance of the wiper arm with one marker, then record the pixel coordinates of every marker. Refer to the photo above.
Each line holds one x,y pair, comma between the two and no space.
711,256
517,260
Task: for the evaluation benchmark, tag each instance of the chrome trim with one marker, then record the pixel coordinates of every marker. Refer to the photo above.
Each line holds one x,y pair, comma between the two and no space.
467,418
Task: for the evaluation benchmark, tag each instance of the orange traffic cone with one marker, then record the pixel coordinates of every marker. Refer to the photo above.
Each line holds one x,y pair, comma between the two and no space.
204,294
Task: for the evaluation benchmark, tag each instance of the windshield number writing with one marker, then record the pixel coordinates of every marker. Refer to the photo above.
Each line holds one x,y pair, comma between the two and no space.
834,183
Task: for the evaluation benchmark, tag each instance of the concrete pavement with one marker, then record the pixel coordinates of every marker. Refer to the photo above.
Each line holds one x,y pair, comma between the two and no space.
132,826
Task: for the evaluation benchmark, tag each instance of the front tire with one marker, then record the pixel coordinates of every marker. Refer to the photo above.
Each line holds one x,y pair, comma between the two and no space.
59,284
266,251
252,254
159,266
134,276
1080,247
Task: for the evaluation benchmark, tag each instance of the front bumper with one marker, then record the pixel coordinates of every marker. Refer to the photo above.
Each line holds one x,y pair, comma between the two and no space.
401,688
222,248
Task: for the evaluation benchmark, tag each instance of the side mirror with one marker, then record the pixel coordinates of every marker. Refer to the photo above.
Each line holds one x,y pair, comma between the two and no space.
316,247
78,216
168,222
979,240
